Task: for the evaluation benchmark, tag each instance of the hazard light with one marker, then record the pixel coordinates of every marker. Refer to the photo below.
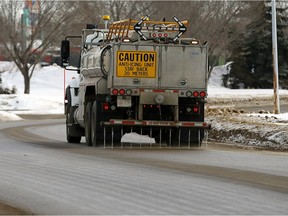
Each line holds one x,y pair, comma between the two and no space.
194,42
126,40
106,17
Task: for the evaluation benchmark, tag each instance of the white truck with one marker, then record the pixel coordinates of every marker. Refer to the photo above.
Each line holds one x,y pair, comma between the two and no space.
138,76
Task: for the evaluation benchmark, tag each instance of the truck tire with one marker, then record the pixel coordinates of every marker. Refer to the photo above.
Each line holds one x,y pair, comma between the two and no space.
88,123
95,124
72,139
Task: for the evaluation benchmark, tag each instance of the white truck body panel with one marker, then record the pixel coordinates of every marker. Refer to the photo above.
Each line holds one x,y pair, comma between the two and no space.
174,63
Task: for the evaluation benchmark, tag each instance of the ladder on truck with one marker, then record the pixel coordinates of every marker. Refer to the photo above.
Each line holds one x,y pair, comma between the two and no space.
121,28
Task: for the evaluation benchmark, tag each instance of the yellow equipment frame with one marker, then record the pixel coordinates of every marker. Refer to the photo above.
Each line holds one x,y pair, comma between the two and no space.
121,28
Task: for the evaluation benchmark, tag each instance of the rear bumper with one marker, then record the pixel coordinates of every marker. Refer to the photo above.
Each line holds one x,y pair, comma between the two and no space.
150,123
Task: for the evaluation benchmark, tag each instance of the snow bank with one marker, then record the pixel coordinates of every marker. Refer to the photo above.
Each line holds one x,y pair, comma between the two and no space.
46,95
6,116
215,80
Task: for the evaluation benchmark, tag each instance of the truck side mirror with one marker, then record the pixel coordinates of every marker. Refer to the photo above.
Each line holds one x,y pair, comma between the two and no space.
65,53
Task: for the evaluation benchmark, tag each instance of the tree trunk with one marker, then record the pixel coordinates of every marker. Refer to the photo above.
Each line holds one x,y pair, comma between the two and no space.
26,83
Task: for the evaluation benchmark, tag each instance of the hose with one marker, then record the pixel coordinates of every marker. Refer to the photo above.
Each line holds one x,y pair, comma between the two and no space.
102,65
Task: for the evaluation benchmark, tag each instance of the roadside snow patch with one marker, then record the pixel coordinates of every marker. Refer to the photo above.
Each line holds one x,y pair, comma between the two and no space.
215,80
6,116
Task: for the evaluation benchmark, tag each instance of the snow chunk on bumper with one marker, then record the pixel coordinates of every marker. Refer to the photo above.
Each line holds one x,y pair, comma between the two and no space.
137,138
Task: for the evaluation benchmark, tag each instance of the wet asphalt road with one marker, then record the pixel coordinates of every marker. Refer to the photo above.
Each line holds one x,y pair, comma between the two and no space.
42,174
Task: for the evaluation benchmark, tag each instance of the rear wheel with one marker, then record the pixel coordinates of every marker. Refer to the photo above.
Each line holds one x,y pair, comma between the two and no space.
73,131
88,123
72,139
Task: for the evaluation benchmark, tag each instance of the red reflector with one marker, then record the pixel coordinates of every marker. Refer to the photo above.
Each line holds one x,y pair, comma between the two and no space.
115,92
154,35
121,91
128,122
160,35
158,90
203,94
188,124
165,35
195,93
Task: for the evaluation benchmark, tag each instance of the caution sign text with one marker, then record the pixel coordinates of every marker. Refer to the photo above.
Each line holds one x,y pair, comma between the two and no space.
141,64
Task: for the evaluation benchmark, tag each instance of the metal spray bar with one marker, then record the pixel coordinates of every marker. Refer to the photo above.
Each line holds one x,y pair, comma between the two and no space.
115,142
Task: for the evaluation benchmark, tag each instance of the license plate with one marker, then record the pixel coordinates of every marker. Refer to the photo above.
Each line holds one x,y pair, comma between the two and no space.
140,64
124,101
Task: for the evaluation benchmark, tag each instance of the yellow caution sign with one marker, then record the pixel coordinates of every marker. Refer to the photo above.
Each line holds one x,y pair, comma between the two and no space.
140,64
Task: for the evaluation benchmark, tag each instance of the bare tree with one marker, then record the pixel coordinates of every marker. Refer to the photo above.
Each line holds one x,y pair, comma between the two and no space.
92,11
128,9
216,22
27,42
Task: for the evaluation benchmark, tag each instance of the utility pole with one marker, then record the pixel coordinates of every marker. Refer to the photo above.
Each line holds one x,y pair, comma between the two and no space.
275,59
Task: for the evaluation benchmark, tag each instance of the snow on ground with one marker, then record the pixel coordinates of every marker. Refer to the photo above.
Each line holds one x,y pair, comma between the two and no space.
46,93
228,124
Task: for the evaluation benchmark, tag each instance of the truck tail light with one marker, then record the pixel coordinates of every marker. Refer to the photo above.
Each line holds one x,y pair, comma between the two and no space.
195,93
115,91
195,109
121,91
202,94
106,106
